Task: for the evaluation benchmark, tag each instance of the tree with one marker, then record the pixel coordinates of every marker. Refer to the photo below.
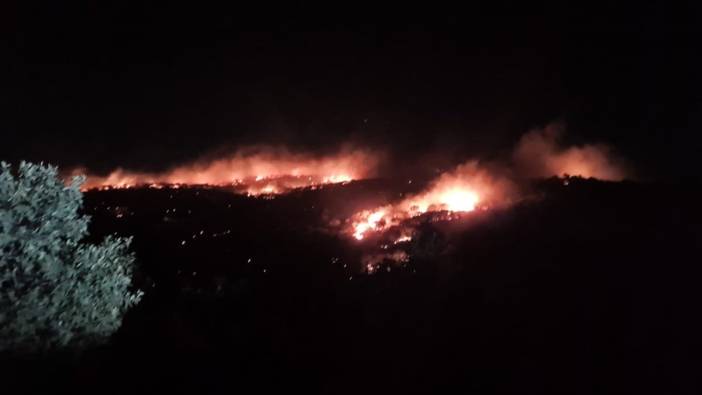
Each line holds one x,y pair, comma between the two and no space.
56,292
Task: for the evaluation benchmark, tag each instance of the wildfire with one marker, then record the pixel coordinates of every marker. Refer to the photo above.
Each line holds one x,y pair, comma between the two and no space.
470,187
462,190
252,171
457,199
370,221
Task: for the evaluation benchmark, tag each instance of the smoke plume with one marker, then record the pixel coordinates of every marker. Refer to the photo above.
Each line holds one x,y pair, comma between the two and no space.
538,154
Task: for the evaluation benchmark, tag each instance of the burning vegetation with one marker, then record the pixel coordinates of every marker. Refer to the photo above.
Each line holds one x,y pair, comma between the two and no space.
475,186
466,188
471,186
253,171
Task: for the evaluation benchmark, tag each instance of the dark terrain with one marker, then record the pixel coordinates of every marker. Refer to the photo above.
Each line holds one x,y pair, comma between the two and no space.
587,288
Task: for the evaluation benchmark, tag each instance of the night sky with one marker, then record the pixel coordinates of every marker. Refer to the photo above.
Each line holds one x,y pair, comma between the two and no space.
145,87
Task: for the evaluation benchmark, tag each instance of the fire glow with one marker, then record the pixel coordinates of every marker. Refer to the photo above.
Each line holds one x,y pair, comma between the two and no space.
470,187
465,189
254,171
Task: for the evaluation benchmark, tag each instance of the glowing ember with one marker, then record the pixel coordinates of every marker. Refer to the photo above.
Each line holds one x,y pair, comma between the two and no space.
402,239
254,171
372,262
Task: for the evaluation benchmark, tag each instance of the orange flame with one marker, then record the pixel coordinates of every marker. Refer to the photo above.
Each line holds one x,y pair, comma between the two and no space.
462,190
470,187
254,171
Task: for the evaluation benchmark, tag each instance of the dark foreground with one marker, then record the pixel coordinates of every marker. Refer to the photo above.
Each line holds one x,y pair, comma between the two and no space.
589,288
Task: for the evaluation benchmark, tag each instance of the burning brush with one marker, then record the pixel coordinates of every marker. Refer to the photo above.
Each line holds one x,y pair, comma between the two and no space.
467,188
253,171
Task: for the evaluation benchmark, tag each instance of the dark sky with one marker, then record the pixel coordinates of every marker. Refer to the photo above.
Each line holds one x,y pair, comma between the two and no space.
145,86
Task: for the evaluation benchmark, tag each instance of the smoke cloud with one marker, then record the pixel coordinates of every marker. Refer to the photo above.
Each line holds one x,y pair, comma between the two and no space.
538,154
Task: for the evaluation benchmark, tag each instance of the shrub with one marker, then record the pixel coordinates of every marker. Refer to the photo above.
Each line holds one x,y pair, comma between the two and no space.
56,292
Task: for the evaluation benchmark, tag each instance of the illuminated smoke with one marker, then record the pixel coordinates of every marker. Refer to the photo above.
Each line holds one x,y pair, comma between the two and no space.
255,171
538,154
